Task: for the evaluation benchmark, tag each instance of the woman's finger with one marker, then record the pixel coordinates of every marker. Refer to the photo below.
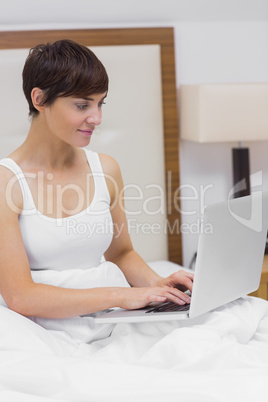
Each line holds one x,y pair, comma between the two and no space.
175,295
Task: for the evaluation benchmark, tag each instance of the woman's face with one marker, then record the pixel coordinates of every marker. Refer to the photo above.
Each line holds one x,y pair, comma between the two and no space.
73,120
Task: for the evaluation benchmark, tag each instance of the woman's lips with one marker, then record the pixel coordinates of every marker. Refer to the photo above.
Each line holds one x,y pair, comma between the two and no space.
86,133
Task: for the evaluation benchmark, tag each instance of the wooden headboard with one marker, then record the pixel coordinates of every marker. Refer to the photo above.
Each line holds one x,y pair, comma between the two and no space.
133,36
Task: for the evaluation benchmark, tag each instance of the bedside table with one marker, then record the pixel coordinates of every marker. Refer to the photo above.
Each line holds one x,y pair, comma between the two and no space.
263,288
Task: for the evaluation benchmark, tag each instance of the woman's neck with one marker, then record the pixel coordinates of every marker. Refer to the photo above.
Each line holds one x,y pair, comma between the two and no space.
44,151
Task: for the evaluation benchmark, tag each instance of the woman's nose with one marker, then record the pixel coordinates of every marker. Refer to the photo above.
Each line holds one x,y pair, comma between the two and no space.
94,117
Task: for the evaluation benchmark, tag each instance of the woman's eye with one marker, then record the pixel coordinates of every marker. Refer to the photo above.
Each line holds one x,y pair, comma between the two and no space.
81,107
101,103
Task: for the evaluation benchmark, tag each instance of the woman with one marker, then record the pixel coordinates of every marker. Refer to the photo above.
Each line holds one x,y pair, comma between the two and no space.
50,184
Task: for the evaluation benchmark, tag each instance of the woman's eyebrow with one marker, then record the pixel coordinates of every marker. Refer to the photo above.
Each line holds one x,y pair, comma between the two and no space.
92,99
88,99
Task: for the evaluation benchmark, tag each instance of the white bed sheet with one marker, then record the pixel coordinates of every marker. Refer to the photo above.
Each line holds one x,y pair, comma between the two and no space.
222,356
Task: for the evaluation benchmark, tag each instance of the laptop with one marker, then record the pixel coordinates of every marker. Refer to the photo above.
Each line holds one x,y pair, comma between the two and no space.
229,261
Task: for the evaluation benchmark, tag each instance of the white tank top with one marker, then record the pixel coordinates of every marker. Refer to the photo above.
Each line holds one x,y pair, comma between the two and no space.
76,241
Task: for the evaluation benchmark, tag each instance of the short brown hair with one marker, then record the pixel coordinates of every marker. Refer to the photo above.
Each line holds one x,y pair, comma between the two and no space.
60,69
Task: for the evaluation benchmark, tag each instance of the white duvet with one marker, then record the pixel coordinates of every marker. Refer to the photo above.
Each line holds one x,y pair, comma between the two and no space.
222,356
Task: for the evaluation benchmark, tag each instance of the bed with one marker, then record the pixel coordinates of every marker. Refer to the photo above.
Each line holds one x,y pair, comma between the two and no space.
221,356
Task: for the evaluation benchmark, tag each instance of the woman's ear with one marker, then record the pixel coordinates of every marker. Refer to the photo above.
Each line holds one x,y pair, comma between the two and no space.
37,96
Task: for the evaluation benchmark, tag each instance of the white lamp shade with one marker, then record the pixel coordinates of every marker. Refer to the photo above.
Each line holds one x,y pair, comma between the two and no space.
224,112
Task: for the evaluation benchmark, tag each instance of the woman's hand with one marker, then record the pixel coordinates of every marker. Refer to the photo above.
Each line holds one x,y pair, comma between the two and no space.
134,298
181,280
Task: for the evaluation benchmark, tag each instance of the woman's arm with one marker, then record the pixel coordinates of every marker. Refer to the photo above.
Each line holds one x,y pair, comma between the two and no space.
121,251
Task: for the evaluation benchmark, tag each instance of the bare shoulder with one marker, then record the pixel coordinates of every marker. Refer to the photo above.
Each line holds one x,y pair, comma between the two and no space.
6,177
112,175
110,166
11,200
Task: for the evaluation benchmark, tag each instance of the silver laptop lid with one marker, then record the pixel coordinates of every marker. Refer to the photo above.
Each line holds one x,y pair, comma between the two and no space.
230,250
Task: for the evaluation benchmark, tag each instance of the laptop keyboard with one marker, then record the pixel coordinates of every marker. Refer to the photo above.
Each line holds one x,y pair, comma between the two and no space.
168,307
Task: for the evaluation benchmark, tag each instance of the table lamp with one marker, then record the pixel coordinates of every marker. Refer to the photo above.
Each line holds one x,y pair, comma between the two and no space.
214,113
